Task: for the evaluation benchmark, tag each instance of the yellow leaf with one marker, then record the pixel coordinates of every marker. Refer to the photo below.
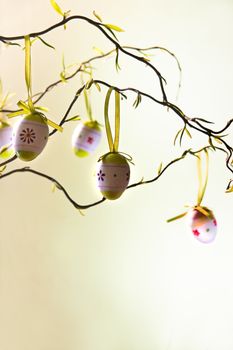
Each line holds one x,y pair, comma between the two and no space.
217,140
98,50
57,7
97,16
188,133
160,168
98,87
113,27
229,190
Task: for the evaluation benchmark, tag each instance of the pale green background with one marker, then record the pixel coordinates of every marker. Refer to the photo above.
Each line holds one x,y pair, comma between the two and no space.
119,278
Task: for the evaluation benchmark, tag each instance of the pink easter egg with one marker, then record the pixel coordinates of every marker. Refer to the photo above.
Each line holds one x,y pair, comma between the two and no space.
204,227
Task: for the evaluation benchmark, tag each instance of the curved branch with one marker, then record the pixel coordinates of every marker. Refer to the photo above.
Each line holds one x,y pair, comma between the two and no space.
58,185
99,26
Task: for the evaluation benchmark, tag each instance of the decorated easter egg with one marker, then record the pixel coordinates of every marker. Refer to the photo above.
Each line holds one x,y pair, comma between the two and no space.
113,174
6,131
30,136
204,227
86,138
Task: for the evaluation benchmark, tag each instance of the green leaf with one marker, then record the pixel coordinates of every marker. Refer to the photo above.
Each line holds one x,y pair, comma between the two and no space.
112,32
188,133
45,43
97,16
73,119
181,135
63,77
57,8
89,84
217,140
137,100
211,144
117,61
9,43
2,169
113,27
229,190
178,133
97,86
98,50
160,168
204,120
6,152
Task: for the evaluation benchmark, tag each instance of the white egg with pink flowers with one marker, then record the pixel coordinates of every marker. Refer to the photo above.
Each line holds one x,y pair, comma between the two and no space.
203,224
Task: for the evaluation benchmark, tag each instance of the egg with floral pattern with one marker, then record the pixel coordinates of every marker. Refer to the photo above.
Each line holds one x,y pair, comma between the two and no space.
204,227
6,131
86,138
30,136
113,173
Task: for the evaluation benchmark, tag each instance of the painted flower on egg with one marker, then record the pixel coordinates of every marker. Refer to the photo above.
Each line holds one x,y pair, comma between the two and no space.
113,175
30,136
204,227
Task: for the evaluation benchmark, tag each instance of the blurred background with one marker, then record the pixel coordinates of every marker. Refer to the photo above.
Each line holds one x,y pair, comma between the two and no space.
119,277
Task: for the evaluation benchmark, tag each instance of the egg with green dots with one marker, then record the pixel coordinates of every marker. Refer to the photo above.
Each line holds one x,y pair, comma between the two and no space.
203,226
6,131
113,174
86,137
30,136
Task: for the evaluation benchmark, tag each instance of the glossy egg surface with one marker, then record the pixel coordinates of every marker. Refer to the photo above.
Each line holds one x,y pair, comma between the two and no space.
113,173
204,228
86,138
30,136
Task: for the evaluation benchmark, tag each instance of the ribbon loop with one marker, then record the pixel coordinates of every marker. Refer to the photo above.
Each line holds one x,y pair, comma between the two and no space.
202,184
113,146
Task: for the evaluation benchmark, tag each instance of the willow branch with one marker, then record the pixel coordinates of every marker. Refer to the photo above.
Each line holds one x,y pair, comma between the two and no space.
102,28
67,195
54,181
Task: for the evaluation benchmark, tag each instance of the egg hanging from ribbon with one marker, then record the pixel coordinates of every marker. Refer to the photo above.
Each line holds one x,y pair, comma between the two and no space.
30,136
113,175
6,131
204,227
86,138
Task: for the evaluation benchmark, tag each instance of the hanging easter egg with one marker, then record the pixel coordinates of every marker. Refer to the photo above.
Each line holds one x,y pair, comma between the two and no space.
113,175
86,138
204,227
6,131
30,136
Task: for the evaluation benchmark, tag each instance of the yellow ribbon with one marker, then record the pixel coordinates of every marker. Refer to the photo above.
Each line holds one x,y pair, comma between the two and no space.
29,108
113,146
202,184
201,188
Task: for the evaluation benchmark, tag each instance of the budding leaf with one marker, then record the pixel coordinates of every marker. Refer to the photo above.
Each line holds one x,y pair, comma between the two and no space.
57,8
97,16
113,27
160,168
